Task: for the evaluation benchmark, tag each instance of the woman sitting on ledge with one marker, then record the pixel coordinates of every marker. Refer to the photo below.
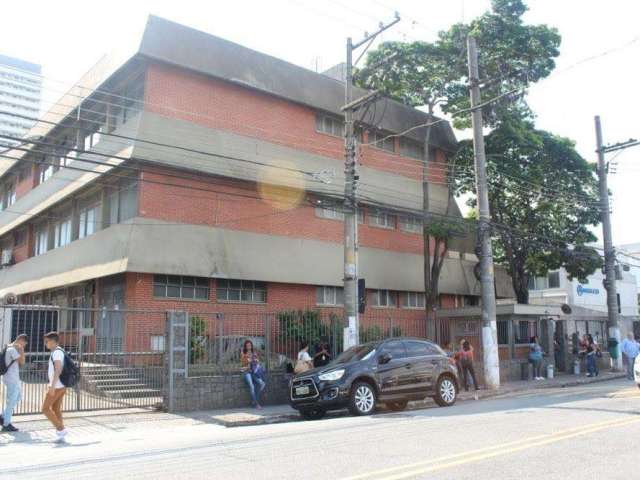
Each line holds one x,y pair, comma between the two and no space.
252,372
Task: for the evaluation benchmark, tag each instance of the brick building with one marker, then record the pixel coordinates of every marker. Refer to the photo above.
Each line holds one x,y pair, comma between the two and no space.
195,173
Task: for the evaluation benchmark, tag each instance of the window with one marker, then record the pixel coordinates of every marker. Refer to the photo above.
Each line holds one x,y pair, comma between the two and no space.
329,125
382,140
330,296
88,221
157,343
553,279
619,304
41,240
503,332
91,140
526,330
412,300
123,202
330,212
411,148
20,237
410,223
62,233
421,349
395,348
538,283
175,286
383,298
9,195
379,218
241,291
46,171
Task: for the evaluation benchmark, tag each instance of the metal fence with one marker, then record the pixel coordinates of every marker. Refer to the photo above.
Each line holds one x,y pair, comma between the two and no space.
120,354
216,339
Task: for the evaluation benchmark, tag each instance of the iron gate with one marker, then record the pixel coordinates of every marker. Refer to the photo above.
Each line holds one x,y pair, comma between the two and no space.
120,354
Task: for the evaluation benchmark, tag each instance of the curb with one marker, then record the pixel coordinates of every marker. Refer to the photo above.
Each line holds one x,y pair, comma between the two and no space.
416,405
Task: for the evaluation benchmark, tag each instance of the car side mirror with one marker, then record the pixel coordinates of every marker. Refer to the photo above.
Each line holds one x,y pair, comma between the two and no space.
384,358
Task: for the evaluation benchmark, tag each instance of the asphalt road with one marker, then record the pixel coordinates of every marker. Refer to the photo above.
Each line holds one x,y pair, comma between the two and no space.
581,432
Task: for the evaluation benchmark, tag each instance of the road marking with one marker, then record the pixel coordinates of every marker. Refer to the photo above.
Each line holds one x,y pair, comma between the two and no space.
427,466
626,393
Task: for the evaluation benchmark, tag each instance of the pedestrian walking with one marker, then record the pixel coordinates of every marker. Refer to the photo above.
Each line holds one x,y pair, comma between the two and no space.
630,350
52,405
465,357
535,358
13,357
253,372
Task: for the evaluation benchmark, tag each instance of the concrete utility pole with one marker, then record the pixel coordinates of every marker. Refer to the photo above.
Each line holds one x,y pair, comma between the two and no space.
489,329
609,250
350,191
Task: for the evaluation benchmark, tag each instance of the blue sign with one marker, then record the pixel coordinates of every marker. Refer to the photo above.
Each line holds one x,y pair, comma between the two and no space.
587,291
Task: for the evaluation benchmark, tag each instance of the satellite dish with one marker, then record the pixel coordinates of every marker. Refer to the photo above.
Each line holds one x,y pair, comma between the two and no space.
566,309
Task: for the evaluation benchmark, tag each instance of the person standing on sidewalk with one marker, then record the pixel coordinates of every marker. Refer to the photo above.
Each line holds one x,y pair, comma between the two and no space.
465,356
630,349
52,405
14,359
592,352
535,357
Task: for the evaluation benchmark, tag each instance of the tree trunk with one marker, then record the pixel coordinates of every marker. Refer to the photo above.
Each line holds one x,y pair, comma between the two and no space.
426,238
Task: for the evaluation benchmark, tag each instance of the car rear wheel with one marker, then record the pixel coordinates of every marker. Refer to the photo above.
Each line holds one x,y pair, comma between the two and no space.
397,406
312,413
446,391
363,399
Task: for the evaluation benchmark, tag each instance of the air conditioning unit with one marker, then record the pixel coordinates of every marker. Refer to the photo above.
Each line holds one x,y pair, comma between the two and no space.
7,257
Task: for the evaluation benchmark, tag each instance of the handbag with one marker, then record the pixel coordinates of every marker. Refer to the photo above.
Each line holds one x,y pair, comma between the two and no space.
301,367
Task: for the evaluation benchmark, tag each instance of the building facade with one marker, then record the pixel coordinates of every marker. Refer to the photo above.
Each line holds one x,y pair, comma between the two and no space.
204,176
20,96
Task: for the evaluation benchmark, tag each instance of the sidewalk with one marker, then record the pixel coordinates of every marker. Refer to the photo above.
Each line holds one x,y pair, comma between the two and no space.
238,417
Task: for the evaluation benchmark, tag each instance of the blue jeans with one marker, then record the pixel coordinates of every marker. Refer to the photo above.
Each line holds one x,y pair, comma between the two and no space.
592,367
14,395
630,363
253,382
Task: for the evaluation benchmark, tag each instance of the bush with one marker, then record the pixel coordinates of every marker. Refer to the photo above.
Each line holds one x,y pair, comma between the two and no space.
198,339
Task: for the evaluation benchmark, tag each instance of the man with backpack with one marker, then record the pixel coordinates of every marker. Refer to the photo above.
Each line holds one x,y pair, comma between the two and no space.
11,359
52,406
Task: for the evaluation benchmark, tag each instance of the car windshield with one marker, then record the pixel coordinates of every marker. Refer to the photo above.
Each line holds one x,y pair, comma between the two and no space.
359,352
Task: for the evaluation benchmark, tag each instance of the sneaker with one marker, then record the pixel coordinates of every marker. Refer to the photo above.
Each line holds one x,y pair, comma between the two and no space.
60,435
475,396
9,428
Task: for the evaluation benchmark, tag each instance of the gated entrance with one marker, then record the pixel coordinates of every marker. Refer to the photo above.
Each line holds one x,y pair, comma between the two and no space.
120,354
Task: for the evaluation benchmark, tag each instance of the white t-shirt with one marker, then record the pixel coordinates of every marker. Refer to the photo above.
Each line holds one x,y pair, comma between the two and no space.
12,375
56,355
304,356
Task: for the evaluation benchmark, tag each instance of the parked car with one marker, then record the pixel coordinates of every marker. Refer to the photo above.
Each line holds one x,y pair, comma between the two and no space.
636,371
393,372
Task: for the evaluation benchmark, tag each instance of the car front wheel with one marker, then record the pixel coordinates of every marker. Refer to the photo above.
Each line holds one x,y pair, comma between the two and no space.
446,391
363,399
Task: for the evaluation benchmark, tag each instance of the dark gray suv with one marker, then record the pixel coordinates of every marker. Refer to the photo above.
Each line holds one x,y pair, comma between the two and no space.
392,372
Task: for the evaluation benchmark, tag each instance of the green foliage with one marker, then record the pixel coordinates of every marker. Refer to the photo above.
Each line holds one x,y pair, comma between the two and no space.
298,325
376,332
543,195
511,54
198,339
443,228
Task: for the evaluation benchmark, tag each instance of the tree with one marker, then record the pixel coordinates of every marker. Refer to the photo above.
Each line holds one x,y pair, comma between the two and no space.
432,74
543,196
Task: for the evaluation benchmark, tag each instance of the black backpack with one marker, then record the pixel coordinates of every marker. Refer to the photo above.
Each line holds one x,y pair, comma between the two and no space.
3,361
70,371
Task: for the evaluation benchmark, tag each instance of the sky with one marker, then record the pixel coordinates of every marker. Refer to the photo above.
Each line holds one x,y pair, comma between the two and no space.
597,70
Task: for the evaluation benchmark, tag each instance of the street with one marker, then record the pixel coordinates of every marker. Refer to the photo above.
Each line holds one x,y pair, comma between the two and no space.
558,433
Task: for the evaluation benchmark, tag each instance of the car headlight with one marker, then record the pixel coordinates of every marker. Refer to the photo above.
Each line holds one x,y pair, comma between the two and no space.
331,376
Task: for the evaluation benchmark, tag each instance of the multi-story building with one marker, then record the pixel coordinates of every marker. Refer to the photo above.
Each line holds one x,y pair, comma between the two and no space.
20,96
195,173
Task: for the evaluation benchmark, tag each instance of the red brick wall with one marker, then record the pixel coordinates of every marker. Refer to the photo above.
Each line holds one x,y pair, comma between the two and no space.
237,206
178,93
23,187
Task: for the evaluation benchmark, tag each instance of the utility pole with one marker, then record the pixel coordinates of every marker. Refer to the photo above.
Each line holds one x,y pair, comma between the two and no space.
350,189
489,329
609,250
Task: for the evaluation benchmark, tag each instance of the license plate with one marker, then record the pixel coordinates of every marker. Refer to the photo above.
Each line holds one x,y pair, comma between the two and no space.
302,390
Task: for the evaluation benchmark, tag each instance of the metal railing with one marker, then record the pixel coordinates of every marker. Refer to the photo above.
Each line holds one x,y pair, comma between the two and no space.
120,354
216,339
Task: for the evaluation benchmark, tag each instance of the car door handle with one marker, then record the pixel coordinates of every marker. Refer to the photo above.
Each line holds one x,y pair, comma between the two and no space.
407,365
